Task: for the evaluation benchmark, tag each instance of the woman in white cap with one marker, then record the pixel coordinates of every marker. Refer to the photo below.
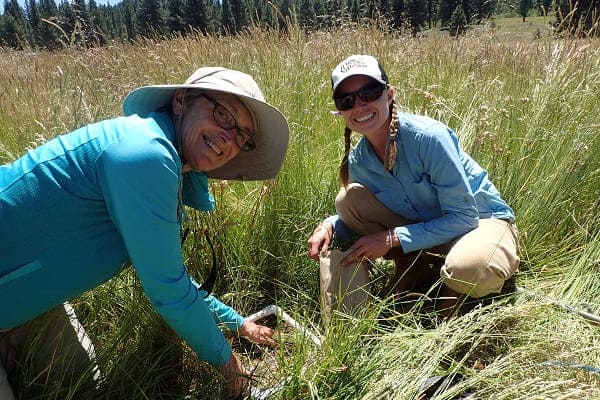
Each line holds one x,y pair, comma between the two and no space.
77,208
408,189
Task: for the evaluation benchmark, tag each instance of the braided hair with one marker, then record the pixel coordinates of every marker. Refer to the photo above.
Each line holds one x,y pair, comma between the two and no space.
390,147
390,144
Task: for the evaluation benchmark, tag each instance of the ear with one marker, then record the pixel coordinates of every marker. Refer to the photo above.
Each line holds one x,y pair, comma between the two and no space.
390,94
177,101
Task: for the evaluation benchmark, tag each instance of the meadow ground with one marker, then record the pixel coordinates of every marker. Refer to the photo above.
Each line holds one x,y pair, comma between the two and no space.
524,105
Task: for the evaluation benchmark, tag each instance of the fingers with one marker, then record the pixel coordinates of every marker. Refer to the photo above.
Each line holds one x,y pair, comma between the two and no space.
236,376
370,247
258,333
264,335
314,247
319,240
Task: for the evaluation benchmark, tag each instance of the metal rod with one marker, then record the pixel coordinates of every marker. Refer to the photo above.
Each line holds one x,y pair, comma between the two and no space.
568,307
273,309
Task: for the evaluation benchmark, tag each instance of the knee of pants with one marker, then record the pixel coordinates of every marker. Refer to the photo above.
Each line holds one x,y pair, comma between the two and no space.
475,277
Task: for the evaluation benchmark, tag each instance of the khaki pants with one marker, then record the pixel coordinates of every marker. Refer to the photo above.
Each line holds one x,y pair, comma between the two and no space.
53,345
476,264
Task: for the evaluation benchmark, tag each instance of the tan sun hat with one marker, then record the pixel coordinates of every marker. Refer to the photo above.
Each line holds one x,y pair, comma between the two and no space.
272,130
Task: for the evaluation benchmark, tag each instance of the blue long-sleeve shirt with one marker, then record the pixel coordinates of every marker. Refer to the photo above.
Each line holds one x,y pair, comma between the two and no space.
77,208
433,183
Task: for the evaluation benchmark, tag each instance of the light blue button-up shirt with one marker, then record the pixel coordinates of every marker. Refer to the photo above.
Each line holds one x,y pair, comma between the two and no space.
433,183
75,209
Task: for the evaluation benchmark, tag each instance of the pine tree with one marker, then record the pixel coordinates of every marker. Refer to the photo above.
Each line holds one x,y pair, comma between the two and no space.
98,32
307,18
458,21
385,9
176,21
482,9
15,29
33,16
196,15
397,14
524,6
240,15
355,10
151,19
130,20
446,9
227,21
417,14
50,29
319,8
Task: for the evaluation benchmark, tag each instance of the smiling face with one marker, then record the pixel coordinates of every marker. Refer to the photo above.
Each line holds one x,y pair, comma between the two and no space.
368,118
204,143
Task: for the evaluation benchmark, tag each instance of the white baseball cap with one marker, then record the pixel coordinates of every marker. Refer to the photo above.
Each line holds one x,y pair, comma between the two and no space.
272,130
358,64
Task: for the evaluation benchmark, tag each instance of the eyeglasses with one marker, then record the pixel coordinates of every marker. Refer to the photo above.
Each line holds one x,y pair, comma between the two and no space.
226,120
367,93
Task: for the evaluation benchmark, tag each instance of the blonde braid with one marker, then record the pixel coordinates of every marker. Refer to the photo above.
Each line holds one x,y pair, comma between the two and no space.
344,174
390,144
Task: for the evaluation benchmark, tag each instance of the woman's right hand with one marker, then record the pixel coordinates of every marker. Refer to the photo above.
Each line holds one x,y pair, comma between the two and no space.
237,377
319,240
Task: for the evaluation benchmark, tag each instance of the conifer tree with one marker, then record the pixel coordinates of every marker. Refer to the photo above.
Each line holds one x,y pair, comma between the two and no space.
416,15
397,14
151,18
240,14
34,24
307,17
98,24
50,29
15,28
458,21
227,21
130,20
196,15
446,9
176,21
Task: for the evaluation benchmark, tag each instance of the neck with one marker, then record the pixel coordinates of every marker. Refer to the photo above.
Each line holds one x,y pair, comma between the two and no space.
378,139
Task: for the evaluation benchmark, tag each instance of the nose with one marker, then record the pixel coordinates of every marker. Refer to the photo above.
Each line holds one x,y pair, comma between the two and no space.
358,102
229,134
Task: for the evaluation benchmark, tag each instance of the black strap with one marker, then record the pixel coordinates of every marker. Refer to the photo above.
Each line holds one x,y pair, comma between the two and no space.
209,283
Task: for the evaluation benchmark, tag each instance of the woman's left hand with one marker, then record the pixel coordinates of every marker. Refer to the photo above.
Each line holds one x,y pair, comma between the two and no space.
370,246
258,333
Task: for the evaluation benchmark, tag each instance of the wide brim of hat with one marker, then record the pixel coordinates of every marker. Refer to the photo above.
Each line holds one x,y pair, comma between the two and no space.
272,130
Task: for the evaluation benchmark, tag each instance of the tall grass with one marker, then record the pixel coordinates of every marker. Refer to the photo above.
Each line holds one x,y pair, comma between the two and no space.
526,110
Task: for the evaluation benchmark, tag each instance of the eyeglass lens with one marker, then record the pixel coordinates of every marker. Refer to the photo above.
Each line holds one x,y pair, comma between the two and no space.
227,121
368,93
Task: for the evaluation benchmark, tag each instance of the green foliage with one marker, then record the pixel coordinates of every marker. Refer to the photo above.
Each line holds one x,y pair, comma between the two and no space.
526,110
458,21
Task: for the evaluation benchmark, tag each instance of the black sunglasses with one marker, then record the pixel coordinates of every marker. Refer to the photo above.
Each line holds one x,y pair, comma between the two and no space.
367,93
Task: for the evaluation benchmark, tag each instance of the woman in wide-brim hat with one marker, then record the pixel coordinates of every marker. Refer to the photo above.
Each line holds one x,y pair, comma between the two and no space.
78,207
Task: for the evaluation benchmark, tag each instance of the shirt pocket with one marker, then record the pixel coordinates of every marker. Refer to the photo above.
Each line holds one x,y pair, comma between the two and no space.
21,272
